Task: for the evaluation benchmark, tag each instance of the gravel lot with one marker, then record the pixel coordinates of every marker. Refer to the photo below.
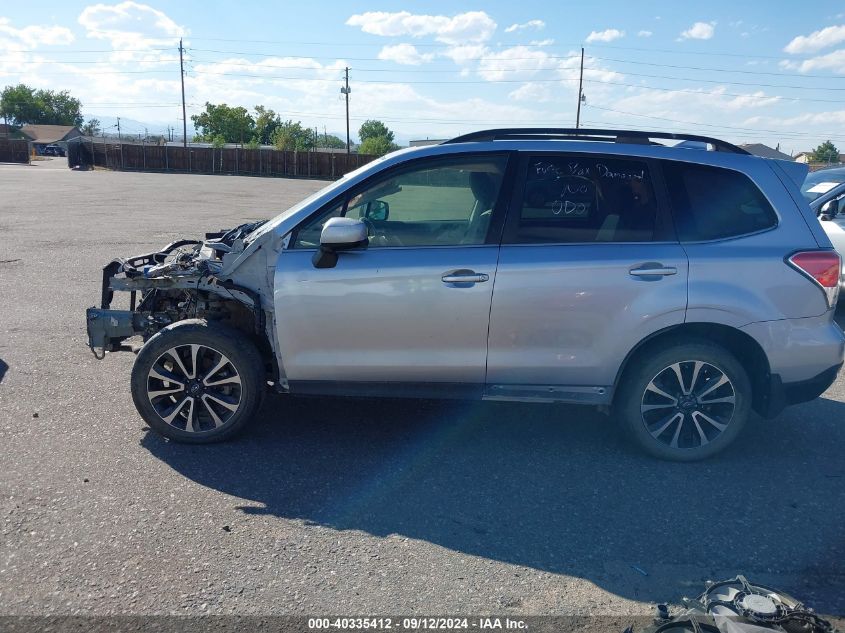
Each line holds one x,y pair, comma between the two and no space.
347,506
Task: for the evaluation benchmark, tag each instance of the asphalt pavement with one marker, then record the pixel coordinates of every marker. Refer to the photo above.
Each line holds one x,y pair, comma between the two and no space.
351,506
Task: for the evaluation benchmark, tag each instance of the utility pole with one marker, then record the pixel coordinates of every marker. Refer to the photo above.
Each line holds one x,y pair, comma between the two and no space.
120,140
182,77
580,93
345,90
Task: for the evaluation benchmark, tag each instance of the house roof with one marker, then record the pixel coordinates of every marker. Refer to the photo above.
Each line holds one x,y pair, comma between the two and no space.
10,131
809,155
758,149
48,133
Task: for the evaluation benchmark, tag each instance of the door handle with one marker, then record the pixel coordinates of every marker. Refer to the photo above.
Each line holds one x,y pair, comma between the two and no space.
463,277
648,270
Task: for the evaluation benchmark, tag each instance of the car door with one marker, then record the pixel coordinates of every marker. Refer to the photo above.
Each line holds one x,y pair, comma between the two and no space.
589,267
408,314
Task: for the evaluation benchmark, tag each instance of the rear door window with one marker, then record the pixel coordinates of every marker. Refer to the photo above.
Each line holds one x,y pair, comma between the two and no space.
711,203
584,199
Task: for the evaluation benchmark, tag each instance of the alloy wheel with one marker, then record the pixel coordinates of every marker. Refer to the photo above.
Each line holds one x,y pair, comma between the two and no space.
194,388
688,404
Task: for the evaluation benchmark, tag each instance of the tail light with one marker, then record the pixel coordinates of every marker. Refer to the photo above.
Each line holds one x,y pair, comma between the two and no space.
823,267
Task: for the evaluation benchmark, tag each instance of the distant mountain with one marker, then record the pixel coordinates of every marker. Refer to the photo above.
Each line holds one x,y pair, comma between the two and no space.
133,127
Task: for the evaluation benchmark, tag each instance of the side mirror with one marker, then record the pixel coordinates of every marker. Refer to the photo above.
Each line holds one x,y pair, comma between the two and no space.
339,234
377,211
828,210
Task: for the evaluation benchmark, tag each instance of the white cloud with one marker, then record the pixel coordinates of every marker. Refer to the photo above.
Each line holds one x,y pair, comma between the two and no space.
32,36
645,33
835,61
699,31
129,26
472,26
521,63
531,24
404,54
689,105
531,91
546,42
817,40
608,35
824,119
463,55
517,62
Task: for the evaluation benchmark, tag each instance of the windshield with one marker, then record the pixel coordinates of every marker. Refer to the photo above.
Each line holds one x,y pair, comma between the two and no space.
820,182
325,191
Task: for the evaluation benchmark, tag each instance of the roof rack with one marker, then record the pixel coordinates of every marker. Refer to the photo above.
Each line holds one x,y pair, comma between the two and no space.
591,134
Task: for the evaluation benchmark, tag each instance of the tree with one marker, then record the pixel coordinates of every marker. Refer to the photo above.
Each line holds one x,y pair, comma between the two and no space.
24,105
91,127
292,136
377,145
331,141
826,153
266,123
234,124
374,129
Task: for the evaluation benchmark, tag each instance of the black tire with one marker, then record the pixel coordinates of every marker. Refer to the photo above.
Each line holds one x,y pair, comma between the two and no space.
643,412
220,403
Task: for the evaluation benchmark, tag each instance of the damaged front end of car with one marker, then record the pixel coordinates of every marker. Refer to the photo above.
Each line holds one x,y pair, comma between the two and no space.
187,279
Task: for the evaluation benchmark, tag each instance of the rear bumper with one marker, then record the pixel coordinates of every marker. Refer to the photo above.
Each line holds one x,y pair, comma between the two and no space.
804,357
784,394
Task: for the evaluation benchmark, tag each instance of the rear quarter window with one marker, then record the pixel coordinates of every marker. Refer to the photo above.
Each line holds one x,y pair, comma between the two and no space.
711,203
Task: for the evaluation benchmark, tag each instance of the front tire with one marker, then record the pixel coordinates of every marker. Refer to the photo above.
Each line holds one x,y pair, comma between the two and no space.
684,402
197,382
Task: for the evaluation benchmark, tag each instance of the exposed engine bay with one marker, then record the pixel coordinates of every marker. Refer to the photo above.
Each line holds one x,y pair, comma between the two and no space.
181,281
739,606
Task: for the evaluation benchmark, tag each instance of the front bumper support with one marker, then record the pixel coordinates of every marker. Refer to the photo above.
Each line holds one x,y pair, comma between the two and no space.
107,329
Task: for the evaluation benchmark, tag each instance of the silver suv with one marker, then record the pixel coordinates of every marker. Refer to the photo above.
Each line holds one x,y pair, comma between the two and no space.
680,286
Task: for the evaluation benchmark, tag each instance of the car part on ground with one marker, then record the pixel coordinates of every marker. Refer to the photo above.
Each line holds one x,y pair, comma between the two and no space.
739,606
681,287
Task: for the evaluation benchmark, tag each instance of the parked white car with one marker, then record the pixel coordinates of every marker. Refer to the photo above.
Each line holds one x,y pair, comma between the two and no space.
825,190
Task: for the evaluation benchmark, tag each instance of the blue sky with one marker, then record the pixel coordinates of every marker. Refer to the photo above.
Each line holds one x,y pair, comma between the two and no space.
772,72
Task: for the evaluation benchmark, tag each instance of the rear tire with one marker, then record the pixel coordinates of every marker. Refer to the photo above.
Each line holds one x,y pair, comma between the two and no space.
198,382
684,402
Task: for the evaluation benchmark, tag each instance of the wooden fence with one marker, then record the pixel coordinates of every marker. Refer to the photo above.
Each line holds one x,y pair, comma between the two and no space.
818,166
14,150
208,160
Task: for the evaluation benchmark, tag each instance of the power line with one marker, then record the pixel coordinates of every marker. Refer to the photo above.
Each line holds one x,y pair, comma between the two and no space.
709,125
367,59
718,70
722,81
404,71
73,62
504,46
716,93
681,51
520,81
97,50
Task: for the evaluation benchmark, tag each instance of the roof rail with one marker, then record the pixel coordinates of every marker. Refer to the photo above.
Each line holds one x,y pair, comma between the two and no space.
591,134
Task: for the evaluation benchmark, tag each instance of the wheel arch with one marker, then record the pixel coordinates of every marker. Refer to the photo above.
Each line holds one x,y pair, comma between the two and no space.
746,350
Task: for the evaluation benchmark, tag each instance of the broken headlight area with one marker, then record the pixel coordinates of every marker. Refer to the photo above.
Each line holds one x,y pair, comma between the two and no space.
178,282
